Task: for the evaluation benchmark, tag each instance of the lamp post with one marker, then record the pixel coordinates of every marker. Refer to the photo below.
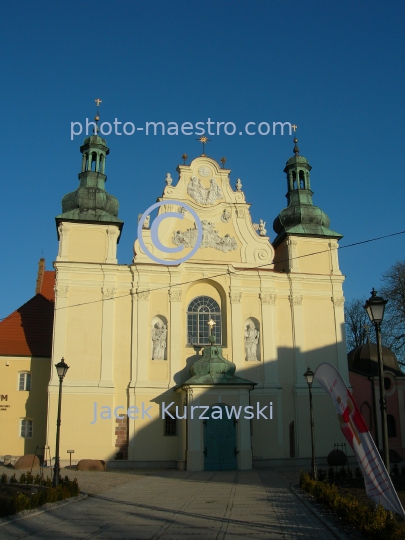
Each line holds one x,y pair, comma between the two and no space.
375,307
61,369
309,376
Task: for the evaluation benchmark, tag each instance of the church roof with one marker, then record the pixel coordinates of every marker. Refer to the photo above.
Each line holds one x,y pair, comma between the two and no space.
28,330
213,368
364,360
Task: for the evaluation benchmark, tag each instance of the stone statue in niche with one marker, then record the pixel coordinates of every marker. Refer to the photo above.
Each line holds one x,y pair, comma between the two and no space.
159,337
251,341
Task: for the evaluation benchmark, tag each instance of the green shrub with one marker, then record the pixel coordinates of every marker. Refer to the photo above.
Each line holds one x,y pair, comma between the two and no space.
349,472
4,479
343,473
13,480
376,523
331,473
20,501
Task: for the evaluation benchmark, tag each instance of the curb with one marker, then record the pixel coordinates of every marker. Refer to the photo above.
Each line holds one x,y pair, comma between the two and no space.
330,526
25,514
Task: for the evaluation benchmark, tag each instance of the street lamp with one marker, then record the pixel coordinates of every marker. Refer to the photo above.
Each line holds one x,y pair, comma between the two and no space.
309,376
61,369
375,307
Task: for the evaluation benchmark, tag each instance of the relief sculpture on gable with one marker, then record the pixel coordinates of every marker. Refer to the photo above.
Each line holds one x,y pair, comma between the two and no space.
204,195
210,238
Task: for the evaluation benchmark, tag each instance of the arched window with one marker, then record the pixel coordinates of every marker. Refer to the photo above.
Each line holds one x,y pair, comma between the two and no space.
200,311
391,425
302,181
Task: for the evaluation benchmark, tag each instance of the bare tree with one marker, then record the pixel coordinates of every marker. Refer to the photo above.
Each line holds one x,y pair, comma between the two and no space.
357,324
393,290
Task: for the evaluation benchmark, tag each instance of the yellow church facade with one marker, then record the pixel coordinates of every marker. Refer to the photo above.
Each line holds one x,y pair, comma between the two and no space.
150,382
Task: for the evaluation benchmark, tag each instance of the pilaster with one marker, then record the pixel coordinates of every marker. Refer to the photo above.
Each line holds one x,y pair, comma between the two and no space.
143,322
269,338
236,324
107,333
298,335
176,324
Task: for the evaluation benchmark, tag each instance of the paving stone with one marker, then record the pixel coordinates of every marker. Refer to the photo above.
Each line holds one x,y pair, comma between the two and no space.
172,505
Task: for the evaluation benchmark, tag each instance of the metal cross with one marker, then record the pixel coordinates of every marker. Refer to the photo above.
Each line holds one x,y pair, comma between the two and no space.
294,126
211,324
203,139
98,101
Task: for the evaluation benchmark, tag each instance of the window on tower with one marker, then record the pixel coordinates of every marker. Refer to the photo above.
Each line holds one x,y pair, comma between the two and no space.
200,311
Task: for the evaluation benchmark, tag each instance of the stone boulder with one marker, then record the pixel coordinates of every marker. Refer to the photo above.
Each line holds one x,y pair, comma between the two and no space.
91,465
337,458
29,461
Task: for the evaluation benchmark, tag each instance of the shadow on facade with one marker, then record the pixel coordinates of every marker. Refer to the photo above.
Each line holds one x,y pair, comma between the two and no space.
282,440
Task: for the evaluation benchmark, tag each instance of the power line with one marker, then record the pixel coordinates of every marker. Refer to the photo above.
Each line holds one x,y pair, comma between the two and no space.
229,272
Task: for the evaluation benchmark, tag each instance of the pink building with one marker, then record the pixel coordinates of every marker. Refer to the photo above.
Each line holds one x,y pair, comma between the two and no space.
363,375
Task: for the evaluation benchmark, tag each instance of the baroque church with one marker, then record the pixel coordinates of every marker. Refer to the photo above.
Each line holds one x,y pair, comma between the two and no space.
197,363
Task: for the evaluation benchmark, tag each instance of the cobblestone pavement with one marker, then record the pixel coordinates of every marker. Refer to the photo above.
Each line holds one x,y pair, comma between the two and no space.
179,505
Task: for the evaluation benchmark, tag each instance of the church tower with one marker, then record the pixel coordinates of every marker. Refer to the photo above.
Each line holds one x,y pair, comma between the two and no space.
89,227
301,223
86,283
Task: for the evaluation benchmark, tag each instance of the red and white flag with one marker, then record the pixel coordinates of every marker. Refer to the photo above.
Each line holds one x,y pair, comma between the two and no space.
379,487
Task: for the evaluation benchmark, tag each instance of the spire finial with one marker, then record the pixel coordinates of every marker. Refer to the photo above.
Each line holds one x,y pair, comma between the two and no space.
296,150
97,117
223,161
184,158
203,139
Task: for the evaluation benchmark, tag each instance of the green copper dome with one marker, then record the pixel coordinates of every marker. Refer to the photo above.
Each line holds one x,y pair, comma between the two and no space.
213,368
90,201
301,217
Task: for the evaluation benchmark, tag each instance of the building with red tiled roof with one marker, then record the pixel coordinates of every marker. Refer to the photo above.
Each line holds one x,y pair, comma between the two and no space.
25,361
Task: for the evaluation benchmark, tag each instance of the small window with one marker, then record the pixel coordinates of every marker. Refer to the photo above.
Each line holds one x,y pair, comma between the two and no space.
391,425
24,381
387,383
25,428
170,424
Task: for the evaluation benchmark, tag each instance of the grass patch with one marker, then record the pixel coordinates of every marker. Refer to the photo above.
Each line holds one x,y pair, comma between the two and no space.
30,492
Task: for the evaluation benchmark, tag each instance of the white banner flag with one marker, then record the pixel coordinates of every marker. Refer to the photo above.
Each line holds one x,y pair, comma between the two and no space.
379,487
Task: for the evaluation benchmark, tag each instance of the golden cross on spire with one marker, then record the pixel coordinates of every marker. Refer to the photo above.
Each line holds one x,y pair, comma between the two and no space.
97,117
203,139
211,324
294,126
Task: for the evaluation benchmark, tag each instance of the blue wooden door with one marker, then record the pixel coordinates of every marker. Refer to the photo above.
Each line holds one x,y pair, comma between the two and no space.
219,443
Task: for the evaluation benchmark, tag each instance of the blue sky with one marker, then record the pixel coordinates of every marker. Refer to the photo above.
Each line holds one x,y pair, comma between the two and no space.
336,69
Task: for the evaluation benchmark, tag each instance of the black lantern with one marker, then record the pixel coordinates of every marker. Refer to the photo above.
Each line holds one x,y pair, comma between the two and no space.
375,307
61,368
309,375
